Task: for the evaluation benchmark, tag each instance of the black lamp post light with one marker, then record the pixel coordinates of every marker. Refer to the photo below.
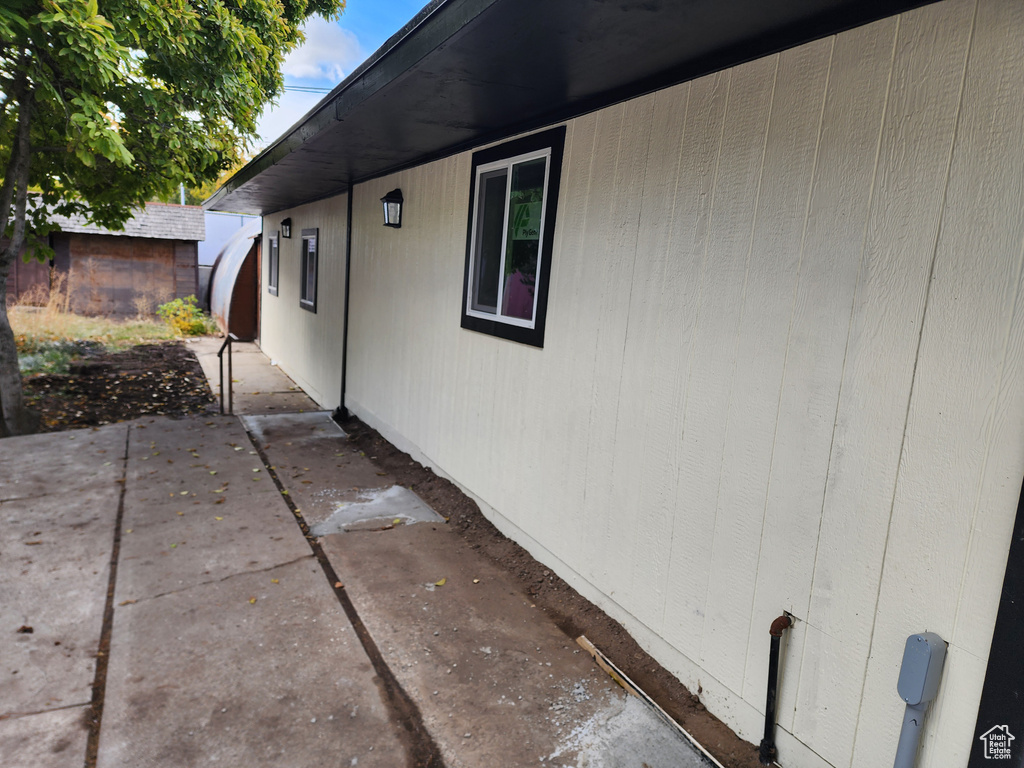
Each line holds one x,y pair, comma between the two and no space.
286,228
393,208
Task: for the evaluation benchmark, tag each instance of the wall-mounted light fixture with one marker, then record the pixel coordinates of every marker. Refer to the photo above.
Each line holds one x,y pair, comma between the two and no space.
286,228
393,208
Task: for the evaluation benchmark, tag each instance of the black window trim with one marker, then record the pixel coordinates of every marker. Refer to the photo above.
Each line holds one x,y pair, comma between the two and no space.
555,140
273,265
306,303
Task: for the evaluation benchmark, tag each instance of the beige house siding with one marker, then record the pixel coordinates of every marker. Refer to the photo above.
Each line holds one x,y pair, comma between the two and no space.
782,368
306,345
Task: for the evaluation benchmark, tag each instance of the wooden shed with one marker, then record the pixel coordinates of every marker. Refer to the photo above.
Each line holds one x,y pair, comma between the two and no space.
152,260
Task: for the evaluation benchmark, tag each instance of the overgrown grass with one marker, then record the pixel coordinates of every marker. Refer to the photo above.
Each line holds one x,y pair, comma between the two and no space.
49,336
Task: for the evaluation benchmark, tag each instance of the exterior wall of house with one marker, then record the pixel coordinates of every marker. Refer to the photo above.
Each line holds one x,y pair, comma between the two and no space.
307,345
782,369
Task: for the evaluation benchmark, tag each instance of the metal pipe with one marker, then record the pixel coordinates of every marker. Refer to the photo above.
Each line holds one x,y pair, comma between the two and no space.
767,751
910,736
342,411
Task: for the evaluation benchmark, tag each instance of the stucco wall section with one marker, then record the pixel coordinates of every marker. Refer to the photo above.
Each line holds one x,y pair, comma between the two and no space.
782,370
306,345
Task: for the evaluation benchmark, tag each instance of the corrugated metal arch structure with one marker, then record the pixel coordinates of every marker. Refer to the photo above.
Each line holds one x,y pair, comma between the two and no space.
233,284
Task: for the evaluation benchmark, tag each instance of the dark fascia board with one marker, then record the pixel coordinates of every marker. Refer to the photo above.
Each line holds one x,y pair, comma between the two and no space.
424,33
331,143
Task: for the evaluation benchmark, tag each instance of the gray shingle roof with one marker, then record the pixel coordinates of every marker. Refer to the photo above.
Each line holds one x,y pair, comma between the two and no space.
161,221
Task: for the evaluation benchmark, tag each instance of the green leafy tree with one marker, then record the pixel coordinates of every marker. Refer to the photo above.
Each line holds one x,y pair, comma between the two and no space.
105,104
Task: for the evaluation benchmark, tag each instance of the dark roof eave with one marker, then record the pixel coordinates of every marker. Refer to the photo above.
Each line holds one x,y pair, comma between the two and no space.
466,72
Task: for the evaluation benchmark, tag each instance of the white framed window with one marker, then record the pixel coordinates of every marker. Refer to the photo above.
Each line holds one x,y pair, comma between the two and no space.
511,229
273,262
310,266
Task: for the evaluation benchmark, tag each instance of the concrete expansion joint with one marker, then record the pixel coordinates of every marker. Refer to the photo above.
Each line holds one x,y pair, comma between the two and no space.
421,749
99,684
223,579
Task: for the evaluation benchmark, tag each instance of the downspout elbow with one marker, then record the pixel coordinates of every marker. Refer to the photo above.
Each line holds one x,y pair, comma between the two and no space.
780,625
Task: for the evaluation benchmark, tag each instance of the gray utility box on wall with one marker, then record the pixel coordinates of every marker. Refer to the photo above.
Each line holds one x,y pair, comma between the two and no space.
923,657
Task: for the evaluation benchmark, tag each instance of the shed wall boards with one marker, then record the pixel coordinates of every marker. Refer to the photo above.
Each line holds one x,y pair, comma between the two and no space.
782,368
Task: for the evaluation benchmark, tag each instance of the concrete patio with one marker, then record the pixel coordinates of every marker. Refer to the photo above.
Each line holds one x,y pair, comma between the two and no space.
164,606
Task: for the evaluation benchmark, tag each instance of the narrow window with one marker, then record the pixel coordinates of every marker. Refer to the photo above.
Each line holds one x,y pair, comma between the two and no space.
307,281
511,229
274,260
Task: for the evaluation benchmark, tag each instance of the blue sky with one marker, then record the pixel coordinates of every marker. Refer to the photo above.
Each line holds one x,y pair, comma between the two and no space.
331,51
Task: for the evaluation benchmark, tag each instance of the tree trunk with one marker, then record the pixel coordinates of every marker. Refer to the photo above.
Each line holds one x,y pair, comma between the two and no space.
15,418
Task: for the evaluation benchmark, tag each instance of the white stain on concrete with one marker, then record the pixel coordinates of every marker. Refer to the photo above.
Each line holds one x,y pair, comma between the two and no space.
627,732
379,505
291,426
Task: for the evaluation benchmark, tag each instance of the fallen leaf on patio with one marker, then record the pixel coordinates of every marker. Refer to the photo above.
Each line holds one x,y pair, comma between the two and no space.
396,521
252,601
238,447
440,583
275,581
284,492
32,543
219,490
213,471
174,546
382,473
476,581
338,585
181,513
257,469
183,493
218,518
25,629
127,602
221,500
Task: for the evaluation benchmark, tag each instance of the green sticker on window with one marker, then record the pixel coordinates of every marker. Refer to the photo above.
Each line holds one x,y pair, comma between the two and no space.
526,221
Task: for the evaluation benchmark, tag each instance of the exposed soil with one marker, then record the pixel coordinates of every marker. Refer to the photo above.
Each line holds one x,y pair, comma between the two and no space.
573,614
106,387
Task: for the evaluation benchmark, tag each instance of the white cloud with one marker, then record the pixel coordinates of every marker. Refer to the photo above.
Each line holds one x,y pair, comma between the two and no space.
277,119
329,53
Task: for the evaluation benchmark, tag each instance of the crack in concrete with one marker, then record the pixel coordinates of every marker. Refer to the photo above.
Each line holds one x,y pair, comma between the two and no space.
220,580
16,715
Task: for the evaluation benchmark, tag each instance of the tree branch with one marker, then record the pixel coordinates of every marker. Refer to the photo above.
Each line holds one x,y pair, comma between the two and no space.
11,172
21,157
